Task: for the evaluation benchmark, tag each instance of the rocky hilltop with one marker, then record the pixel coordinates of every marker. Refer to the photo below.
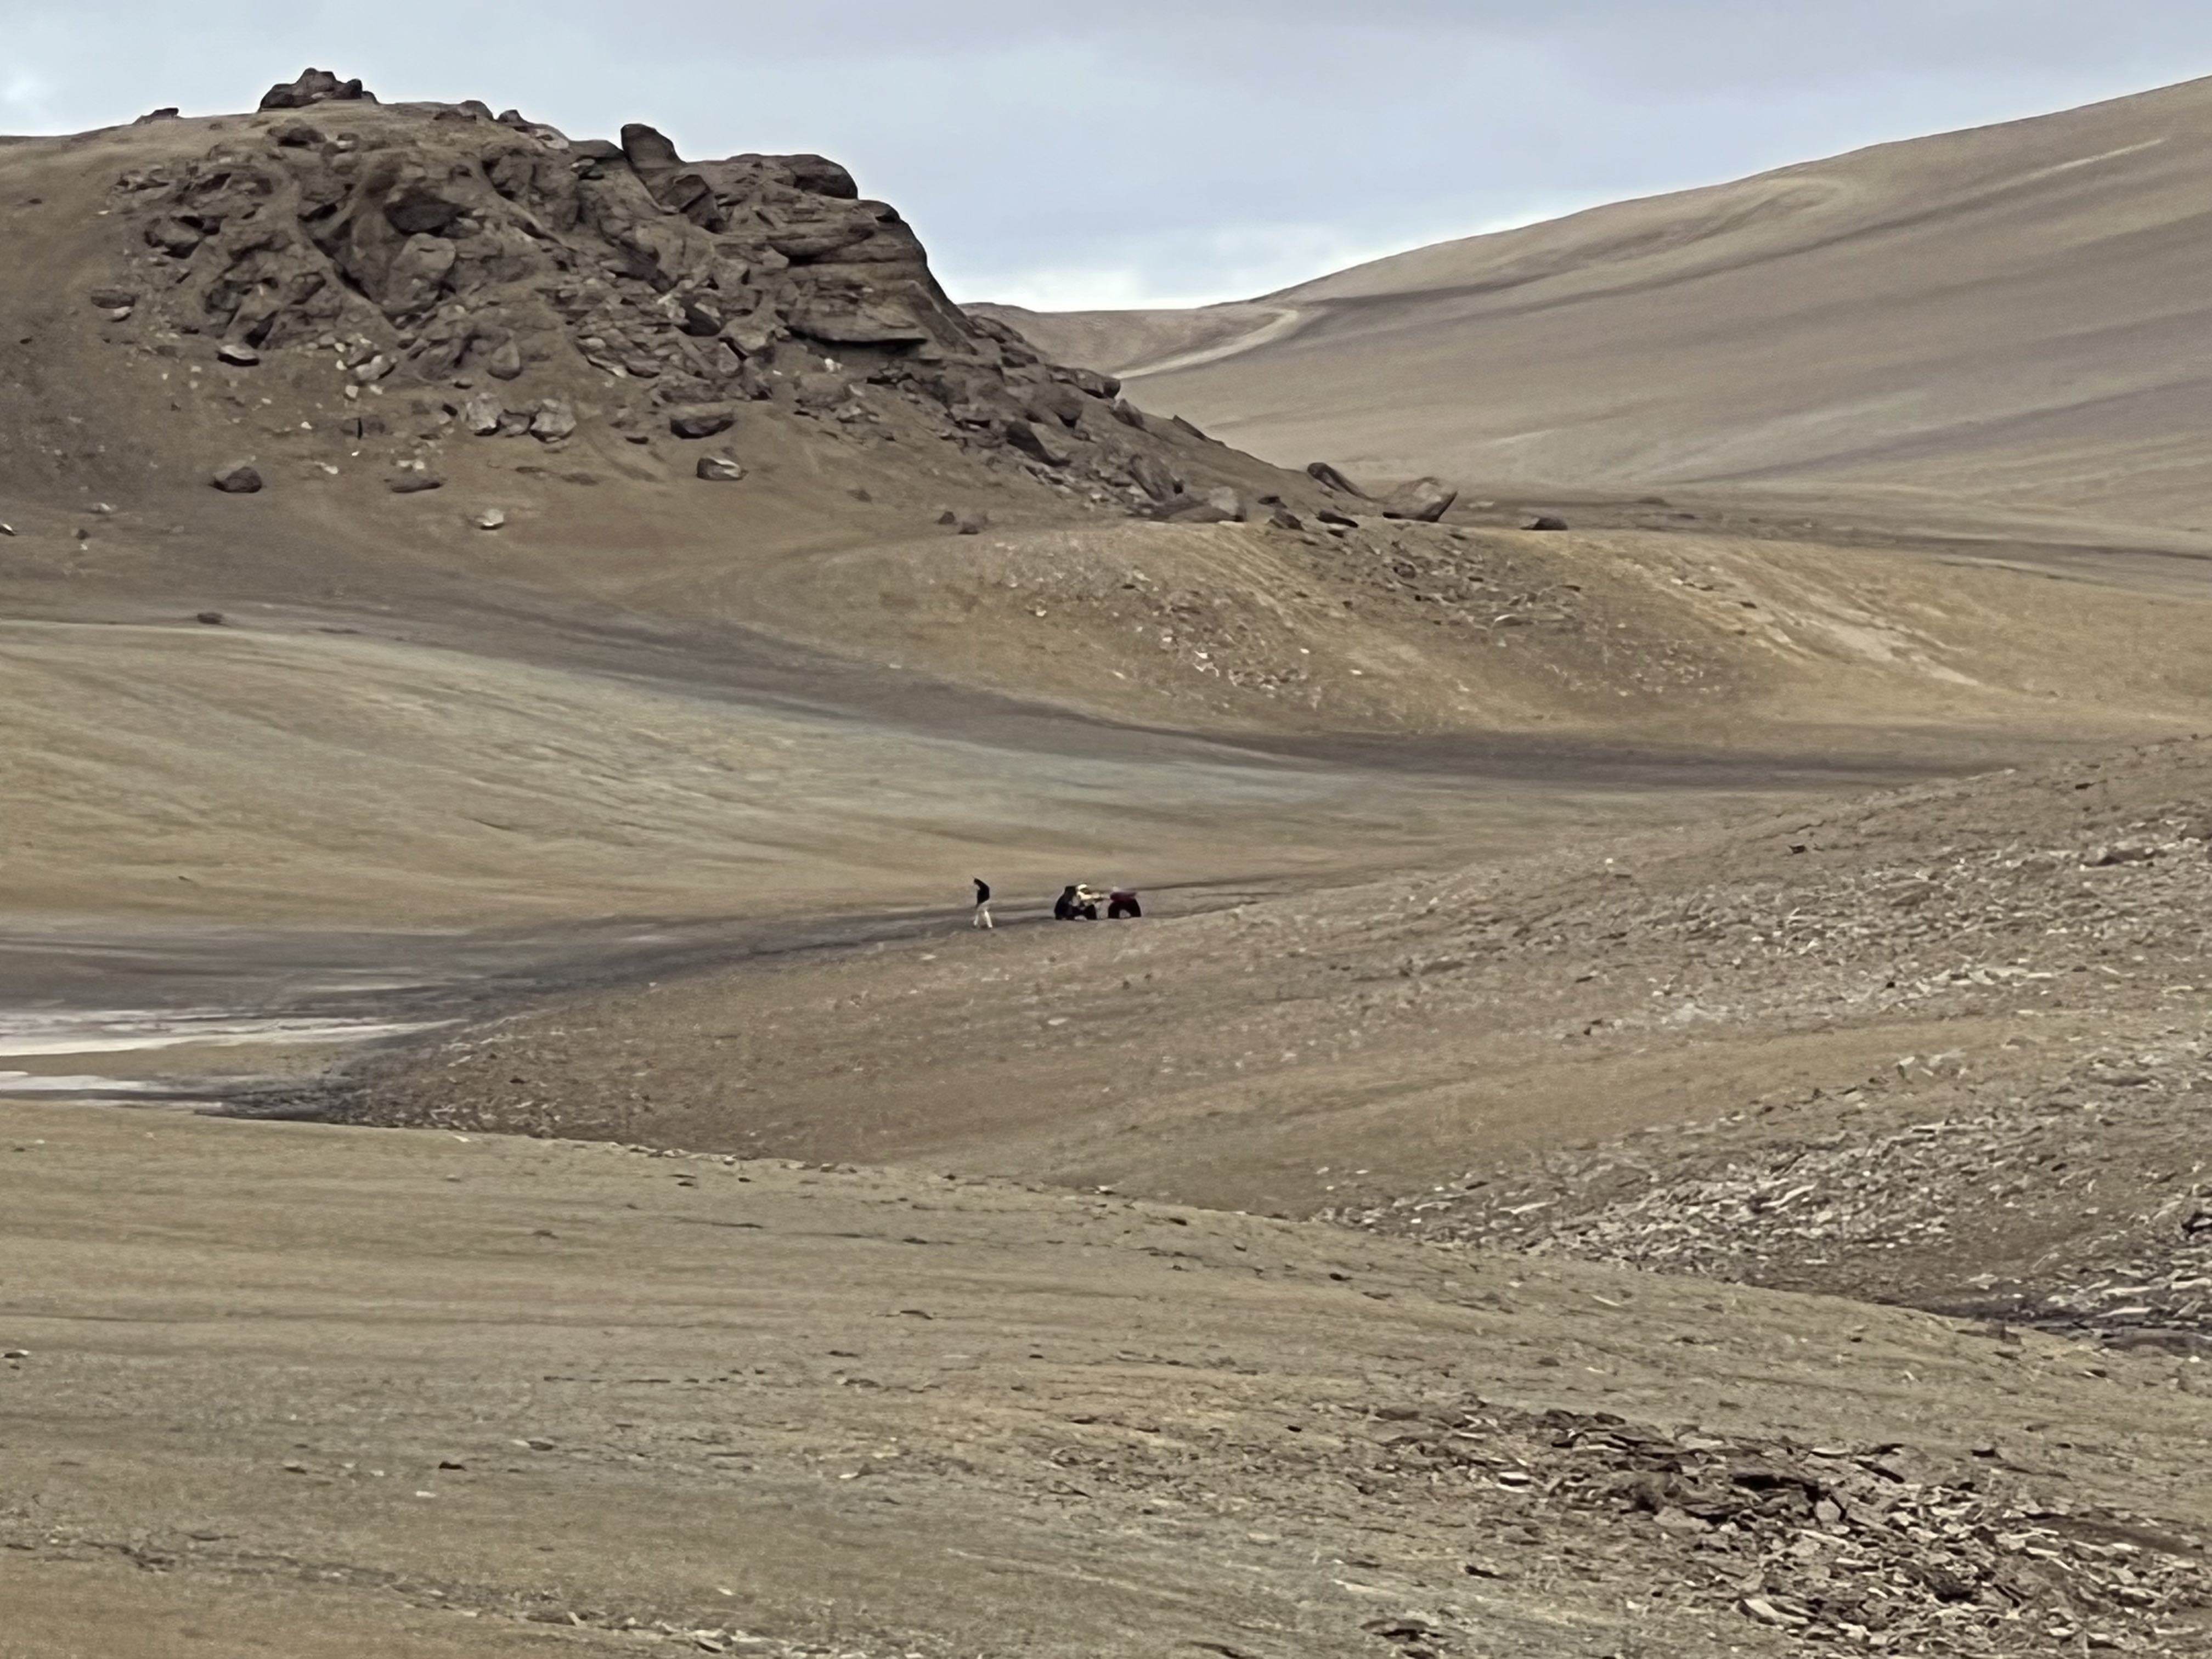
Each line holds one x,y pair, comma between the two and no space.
540,283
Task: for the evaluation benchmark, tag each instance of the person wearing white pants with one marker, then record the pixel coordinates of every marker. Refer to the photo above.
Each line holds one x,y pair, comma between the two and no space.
983,905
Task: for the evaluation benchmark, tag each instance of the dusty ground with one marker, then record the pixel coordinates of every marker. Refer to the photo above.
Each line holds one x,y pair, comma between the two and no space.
1969,1014
289,1389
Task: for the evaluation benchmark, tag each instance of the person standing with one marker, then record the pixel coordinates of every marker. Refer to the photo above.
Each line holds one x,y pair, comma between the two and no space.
983,905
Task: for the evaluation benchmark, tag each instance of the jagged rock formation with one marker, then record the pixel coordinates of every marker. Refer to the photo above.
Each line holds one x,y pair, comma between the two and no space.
314,86
556,283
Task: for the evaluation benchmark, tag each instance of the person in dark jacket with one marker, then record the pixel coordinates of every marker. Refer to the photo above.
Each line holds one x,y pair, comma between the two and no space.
1073,905
983,904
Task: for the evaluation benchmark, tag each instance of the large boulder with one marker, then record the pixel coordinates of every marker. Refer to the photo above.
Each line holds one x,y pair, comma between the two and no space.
1425,501
1222,505
1155,477
417,275
1329,478
701,422
314,86
555,419
483,413
237,478
648,151
1040,442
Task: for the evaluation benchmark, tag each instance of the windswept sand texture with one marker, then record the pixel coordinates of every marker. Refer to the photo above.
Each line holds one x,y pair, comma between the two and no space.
2009,317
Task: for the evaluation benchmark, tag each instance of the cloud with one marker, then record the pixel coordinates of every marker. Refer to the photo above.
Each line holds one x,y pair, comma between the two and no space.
1155,150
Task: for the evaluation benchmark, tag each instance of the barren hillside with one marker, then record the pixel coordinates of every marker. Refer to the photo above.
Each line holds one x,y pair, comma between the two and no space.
428,515
2009,316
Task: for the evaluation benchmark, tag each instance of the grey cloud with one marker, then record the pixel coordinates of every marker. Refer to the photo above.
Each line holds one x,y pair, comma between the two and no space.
1154,147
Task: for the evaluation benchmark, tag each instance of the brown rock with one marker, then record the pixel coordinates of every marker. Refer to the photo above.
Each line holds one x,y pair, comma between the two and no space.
482,413
648,151
1425,501
701,421
555,419
1212,507
1329,478
314,86
1039,442
173,236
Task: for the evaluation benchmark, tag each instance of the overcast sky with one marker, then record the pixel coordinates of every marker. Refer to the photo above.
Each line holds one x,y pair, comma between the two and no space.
1145,152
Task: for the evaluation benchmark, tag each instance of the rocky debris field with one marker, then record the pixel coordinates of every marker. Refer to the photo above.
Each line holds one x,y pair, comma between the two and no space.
1977,1210
2034,1149
542,285
1877,1550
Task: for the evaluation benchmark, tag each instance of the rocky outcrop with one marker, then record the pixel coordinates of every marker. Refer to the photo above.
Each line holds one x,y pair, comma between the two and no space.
314,86
586,281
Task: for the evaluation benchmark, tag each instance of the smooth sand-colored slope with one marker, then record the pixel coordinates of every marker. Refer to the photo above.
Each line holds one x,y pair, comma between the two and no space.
2014,315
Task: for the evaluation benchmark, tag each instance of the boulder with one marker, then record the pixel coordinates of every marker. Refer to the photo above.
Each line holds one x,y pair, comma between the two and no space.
1129,415
173,236
1212,507
1039,442
237,478
237,354
1543,521
113,299
1425,501
1284,518
490,519
648,151
1054,402
208,618
420,203
314,86
296,134
721,469
1329,478
417,277
701,421
555,419
817,175
1155,477
1342,521
482,413
505,362
413,484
